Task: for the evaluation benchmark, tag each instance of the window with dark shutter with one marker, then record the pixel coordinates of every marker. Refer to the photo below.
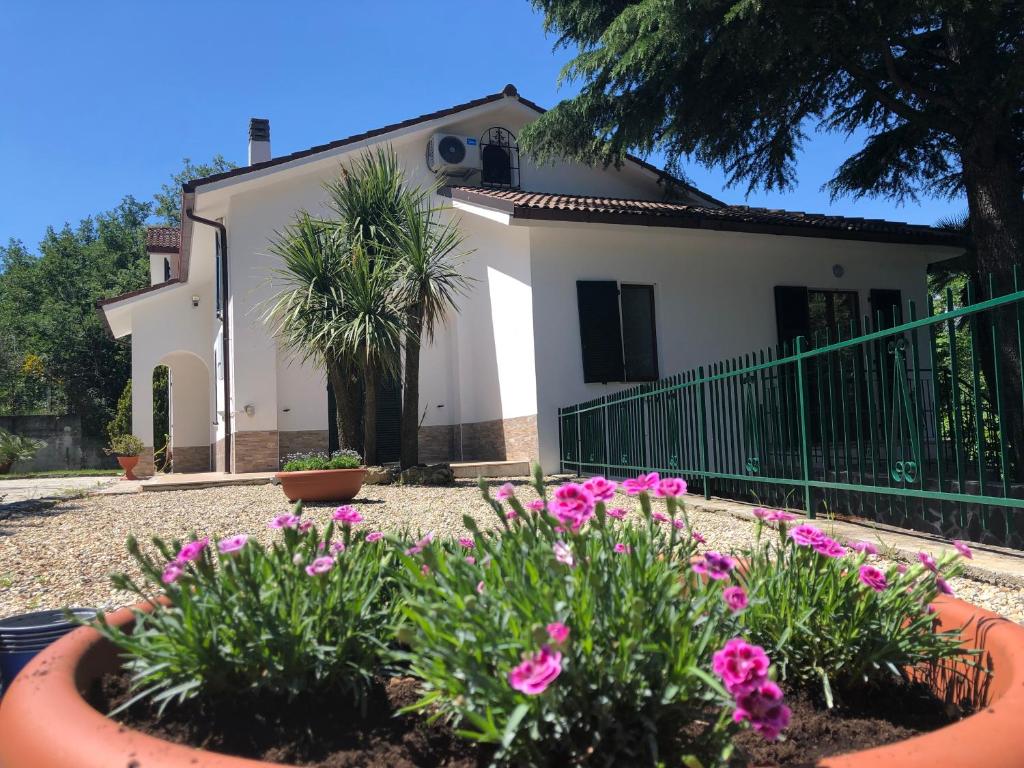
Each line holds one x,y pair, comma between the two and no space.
792,313
600,330
888,302
639,338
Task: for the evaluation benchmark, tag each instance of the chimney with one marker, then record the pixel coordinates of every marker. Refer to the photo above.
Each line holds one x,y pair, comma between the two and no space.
259,140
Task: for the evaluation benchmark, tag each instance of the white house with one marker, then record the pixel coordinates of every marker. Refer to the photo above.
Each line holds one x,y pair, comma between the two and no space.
585,279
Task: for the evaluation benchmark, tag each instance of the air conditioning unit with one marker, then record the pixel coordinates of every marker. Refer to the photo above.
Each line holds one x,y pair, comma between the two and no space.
453,155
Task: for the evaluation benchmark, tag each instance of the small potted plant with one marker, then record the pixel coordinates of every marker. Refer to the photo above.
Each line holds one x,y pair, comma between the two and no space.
14,448
127,449
318,476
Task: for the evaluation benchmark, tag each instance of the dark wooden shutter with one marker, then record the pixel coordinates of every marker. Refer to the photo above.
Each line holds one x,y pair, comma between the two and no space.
389,420
792,315
884,300
600,330
639,337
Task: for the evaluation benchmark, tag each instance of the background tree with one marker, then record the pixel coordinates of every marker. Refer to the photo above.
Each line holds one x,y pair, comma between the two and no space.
936,86
168,199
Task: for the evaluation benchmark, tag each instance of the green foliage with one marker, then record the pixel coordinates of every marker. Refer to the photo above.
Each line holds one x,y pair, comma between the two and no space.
742,84
125,445
636,665
254,621
121,424
168,199
826,629
17,448
303,462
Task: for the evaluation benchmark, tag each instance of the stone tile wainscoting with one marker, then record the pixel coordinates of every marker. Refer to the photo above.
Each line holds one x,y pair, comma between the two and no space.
497,440
191,458
146,467
255,451
302,441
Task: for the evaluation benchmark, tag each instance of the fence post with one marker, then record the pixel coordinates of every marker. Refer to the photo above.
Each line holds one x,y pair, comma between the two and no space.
802,404
579,444
703,426
604,435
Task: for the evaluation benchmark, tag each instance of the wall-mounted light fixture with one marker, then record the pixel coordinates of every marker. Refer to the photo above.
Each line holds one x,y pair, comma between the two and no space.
838,270
195,301
249,409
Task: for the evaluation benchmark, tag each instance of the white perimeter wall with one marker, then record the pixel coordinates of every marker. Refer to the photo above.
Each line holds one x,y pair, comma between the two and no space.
714,294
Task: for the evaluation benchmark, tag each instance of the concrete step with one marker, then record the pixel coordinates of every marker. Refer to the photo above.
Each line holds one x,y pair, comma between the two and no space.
474,469
192,481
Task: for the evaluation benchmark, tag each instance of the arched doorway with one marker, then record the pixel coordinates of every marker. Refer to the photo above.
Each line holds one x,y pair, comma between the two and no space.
189,391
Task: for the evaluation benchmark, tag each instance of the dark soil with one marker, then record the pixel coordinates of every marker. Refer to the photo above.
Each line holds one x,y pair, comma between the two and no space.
326,735
868,718
331,737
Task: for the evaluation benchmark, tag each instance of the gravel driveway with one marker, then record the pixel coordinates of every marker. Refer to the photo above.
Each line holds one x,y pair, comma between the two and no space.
61,555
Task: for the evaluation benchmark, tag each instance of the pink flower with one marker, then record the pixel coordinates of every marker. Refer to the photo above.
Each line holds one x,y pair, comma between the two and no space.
622,549
420,545
537,505
659,517
735,598
305,526
773,515
806,535
673,487
284,521
641,484
480,587
466,542
572,505
872,577
741,666
563,554
963,549
511,514
337,546
696,536
506,491
865,547
928,562
536,673
943,586
347,514
471,560
424,569
320,566
717,566
558,632
601,489
761,513
232,543
901,568
192,551
762,707
829,547
375,536
618,513
172,572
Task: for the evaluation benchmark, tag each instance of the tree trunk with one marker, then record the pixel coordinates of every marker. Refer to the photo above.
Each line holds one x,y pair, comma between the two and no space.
370,415
344,383
995,196
410,454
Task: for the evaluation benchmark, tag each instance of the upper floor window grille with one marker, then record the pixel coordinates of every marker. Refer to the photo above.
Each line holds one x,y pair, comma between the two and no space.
499,159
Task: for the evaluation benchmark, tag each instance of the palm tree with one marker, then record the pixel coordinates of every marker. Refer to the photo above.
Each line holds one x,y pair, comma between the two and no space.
373,328
428,253
309,313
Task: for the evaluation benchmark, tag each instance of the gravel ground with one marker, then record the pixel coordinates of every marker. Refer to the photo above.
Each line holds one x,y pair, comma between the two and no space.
55,555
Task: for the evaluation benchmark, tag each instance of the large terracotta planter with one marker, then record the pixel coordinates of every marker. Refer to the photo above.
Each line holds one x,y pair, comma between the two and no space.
322,484
128,464
45,722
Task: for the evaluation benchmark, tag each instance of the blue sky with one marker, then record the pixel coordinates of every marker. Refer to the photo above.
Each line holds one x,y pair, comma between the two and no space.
104,99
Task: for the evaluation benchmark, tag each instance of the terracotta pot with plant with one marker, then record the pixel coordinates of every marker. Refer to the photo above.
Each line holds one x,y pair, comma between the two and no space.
127,449
318,476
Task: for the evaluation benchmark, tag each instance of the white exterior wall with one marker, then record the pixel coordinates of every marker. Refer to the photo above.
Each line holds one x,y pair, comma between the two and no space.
714,295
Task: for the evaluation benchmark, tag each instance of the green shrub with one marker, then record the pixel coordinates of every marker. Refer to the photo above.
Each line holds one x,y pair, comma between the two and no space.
16,448
313,612
572,637
125,445
304,462
831,618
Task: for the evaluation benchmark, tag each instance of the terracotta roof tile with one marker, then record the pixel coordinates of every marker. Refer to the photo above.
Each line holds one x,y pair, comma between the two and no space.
542,205
163,239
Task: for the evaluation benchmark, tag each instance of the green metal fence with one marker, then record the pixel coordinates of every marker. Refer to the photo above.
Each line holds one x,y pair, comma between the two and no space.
919,425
